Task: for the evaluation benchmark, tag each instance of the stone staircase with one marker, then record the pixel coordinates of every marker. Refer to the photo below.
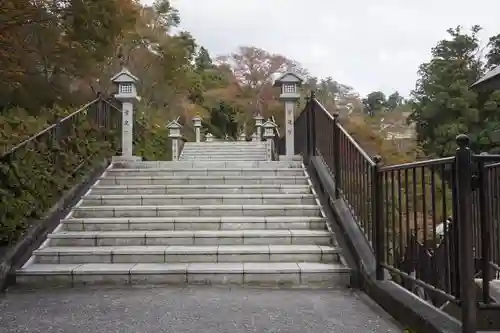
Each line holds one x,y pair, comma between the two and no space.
219,215
224,151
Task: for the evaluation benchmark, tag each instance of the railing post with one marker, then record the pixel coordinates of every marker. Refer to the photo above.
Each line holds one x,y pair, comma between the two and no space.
312,124
377,220
336,155
463,160
306,149
485,218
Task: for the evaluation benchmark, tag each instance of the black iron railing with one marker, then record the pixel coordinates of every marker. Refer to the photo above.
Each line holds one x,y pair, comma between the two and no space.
485,213
419,248
434,226
35,173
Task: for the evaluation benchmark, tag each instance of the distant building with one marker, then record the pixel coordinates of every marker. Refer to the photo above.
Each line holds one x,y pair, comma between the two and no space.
490,81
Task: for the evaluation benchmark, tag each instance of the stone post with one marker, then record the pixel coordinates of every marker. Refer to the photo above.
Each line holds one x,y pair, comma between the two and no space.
127,94
269,134
197,127
174,133
209,137
242,137
258,124
254,137
288,83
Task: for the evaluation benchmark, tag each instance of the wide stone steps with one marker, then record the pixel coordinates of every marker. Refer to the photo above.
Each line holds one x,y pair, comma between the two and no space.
239,153
260,273
190,237
224,150
197,210
226,144
185,254
197,199
200,189
195,223
212,164
199,180
234,219
182,172
225,157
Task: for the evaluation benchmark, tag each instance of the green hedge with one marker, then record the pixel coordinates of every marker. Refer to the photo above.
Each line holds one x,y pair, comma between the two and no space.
34,177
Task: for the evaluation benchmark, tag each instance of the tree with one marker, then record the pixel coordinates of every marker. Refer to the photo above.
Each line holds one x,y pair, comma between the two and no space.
252,69
253,66
223,121
493,56
47,45
203,60
374,102
394,100
443,104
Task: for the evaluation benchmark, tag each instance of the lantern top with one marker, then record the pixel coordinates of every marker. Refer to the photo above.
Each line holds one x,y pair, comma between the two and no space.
269,124
288,78
124,76
174,125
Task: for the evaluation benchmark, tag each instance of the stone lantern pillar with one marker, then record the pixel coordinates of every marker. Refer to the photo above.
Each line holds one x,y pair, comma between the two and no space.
127,95
174,133
289,83
258,126
269,133
197,127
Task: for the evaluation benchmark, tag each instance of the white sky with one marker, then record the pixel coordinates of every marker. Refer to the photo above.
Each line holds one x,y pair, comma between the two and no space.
370,45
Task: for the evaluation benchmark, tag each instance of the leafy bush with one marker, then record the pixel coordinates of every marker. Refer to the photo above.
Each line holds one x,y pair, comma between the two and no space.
34,176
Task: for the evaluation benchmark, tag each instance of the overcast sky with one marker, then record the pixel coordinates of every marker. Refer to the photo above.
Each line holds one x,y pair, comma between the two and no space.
368,44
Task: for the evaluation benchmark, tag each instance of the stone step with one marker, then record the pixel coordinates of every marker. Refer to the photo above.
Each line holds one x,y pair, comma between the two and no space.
227,154
200,189
211,164
262,273
226,144
236,149
235,153
186,254
204,180
196,210
195,223
197,199
190,237
261,157
180,172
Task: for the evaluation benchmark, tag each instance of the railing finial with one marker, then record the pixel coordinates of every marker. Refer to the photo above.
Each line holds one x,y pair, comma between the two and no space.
463,141
336,115
313,94
377,159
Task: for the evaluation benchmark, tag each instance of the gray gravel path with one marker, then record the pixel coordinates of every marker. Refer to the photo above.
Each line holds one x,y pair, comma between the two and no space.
200,309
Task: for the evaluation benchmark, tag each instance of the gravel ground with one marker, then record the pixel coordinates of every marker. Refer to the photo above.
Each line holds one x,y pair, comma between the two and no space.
200,309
